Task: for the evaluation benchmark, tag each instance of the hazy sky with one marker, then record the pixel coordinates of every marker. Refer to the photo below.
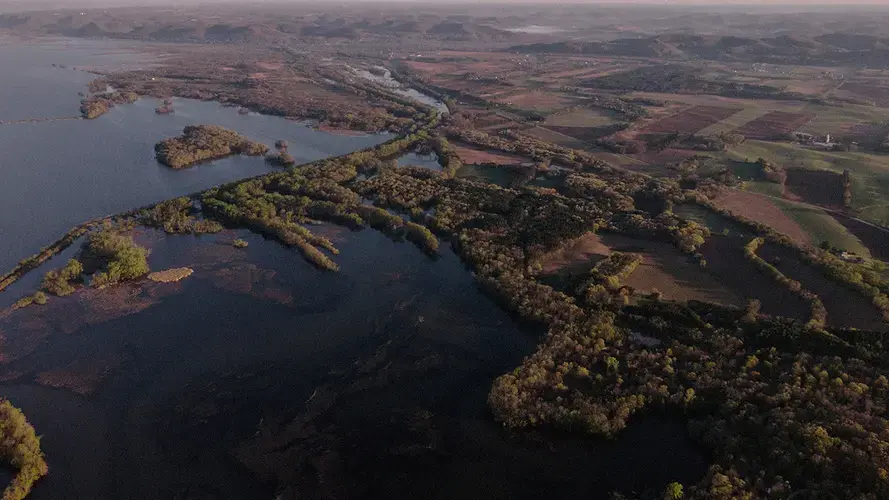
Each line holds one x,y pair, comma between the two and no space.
38,4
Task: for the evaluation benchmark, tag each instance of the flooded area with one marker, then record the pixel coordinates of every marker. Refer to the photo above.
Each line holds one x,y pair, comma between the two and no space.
259,373
61,173
429,161
48,74
385,79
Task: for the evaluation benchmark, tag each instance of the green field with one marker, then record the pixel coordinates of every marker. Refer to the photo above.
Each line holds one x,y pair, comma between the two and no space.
870,172
583,117
836,119
821,226
735,121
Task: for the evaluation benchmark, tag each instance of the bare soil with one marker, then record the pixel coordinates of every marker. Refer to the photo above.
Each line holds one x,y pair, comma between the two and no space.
818,187
759,208
845,307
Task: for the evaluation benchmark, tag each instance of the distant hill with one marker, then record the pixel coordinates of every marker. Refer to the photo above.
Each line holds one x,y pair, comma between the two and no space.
827,49
192,28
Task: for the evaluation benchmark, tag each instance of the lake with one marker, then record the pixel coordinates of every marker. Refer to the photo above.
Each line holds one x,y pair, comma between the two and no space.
260,376
193,389
54,175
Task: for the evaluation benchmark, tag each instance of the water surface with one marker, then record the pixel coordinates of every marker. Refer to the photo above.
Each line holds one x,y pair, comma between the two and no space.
56,175
386,365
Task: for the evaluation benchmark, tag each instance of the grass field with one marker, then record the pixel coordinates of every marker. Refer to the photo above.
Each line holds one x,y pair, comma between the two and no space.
584,117
545,134
821,226
735,121
870,172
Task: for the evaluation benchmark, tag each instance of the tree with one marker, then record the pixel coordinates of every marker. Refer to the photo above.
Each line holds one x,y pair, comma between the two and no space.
673,491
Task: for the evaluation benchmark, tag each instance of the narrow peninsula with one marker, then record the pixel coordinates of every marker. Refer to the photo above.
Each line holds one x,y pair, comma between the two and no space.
205,142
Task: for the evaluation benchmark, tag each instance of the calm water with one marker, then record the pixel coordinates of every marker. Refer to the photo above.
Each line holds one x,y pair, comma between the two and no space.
429,161
30,87
58,174
205,373
396,86
260,370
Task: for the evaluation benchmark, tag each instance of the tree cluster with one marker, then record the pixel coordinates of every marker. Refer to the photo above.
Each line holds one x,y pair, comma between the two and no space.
205,142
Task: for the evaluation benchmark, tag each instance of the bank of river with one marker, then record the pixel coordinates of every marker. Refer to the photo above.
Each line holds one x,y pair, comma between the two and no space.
192,388
58,174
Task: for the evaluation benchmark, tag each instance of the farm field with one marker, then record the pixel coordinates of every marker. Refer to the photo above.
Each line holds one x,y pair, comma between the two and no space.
761,209
819,187
690,121
734,122
670,272
775,125
870,172
583,117
821,226
727,262
585,124
875,238
555,137
472,155
845,307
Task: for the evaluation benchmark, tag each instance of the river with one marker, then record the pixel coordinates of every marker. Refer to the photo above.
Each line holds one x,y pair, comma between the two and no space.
54,175
261,376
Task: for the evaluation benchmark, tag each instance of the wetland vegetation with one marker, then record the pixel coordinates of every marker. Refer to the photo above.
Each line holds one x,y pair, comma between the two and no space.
199,143
552,176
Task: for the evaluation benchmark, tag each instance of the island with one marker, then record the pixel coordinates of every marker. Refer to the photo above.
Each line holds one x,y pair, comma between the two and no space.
97,105
202,143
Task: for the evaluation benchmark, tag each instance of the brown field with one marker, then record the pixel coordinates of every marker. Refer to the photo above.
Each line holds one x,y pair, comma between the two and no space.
875,238
818,187
270,65
845,307
880,95
578,256
472,155
666,157
550,134
760,209
726,260
435,68
536,100
775,125
585,134
691,120
666,269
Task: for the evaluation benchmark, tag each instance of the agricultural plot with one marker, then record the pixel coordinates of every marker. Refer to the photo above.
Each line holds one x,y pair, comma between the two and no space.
850,121
583,117
821,227
472,155
874,237
870,172
775,125
536,100
691,120
664,268
819,187
555,137
845,307
761,209
876,93
733,122
726,260
585,124
667,270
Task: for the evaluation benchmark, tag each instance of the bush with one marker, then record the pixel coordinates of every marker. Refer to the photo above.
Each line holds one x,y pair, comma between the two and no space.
59,282
20,446
122,259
